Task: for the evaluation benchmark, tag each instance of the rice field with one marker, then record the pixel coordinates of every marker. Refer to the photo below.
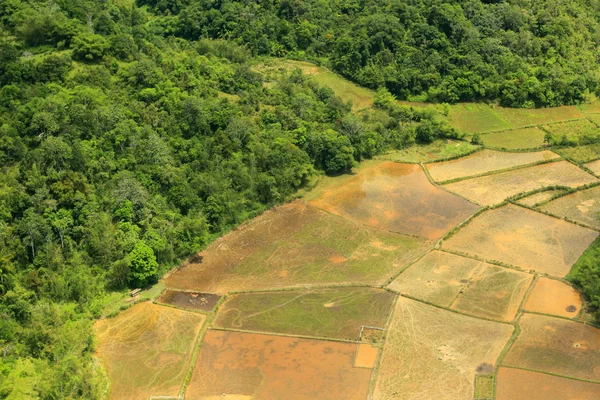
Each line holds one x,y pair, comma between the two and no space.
515,139
594,166
580,131
550,296
582,206
541,197
476,117
494,189
525,117
581,154
438,150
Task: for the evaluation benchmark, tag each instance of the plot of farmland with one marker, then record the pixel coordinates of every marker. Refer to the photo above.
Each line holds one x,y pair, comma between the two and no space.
580,131
438,150
540,197
240,365
550,296
581,154
146,350
434,354
594,166
464,284
582,206
526,138
522,117
333,313
393,196
191,300
524,238
557,346
297,245
484,161
494,189
475,117
518,384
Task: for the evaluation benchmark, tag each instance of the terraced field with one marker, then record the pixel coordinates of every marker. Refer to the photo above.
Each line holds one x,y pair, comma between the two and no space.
393,282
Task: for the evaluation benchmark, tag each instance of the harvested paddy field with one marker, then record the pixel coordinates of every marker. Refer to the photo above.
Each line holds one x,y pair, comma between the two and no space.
297,245
594,166
518,384
582,206
484,161
476,117
146,350
467,285
495,188
395,197
516,139
524,117
557,346
550,296
541,197
579,131
366,356
335,313
254,366
438,150
435,354
517,236
192,300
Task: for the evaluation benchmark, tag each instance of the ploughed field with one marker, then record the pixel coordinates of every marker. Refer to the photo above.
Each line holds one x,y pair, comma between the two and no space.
414,277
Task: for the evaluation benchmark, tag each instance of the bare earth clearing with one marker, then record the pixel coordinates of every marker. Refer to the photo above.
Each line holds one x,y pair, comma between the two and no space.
550,296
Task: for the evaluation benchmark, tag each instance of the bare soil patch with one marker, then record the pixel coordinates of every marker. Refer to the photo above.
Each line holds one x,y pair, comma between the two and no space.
146,350
366,356
550,296
518,384
275,367
434,354
193,300
524,238
294,245
557,346
393,196
493,189
484,161
582,206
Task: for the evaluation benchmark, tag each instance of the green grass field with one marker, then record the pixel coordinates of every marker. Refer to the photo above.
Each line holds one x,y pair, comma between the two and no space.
474,117
581,154
525,138
484,387
335,313
438,150
580,131
523,117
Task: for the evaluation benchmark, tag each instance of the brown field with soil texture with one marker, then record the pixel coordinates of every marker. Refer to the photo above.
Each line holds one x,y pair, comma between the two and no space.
550,296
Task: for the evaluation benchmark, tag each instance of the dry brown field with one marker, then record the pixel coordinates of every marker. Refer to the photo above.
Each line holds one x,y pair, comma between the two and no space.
393,196
550,296
254,366
191,300
518,384
557,346
582,206
494,189
517,236
297,245
484,161
146,350
594,166
431,353
538,198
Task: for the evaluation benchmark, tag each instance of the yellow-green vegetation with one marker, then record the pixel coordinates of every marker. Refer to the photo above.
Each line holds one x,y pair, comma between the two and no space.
494,189
146,350
581,131
297,245
335,313
557,346
591,107
470,286
432,353
595,118
516,139
484,387
476,117
439,150
117,301
582,206
541,197
485,161
494,292
360,97
581,154
517,236
525,117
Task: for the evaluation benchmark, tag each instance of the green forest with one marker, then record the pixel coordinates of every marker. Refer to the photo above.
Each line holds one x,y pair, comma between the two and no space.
134,134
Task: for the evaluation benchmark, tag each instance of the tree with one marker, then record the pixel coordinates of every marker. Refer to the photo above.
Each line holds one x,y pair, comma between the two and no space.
89,47
143,268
